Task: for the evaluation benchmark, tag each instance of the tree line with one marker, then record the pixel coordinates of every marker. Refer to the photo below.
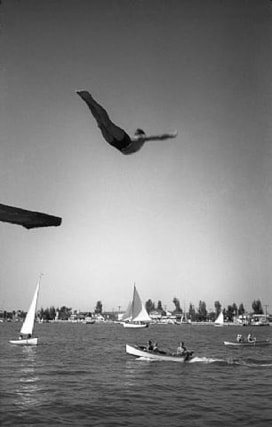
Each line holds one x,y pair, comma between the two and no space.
201,314
64,313
195,314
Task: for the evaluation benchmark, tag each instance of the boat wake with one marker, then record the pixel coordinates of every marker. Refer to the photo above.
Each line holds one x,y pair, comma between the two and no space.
255,363
205,360
232,361
225,362
148,359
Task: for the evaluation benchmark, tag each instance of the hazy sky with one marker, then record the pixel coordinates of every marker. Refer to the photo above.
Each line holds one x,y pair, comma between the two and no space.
187,218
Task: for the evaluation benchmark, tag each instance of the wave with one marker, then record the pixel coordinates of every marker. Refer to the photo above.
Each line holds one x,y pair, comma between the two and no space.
205,360
232,361
224,362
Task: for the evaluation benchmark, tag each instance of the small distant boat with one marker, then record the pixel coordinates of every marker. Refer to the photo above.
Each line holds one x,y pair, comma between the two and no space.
89,320
28,325
254,343
141,351
184,320
136,316
220,320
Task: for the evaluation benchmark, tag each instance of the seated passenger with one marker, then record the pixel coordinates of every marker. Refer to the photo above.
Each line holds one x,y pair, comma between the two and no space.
250,338
240,338
155,347
149,346
181,348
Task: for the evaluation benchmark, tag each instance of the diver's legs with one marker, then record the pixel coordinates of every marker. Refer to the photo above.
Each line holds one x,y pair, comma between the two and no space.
113,134
99,113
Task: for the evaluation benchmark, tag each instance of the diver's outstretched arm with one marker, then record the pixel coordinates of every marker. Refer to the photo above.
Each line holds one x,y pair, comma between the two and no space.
159,137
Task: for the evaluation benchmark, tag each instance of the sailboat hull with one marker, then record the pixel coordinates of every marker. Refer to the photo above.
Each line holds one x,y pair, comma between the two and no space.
28,341
135,325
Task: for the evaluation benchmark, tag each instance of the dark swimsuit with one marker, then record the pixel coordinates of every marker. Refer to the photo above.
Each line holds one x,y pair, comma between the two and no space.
123,143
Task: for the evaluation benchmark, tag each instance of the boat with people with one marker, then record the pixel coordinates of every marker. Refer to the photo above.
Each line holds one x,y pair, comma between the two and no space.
154,353
26,331
247,344
89,320
250,341
136,316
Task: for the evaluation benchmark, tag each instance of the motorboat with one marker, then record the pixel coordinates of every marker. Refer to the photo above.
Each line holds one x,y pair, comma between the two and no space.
143,352
246,343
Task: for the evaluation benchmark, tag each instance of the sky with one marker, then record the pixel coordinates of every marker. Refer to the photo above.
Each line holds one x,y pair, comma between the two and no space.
188,217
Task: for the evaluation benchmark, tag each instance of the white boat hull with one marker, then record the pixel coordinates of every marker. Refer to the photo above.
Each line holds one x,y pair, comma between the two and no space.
247,343
139,352
28,341
135,325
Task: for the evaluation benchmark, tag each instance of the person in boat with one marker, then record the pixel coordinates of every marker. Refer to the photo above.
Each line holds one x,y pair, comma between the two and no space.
181,349
184,352
240,338
150,346
155,347
250,338
115,135
26,337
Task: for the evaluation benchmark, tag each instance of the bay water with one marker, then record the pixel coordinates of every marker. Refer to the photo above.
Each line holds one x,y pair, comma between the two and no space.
80,375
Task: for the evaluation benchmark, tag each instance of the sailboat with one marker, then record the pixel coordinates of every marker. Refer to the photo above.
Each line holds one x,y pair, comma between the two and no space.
28,325
136,315
220,320
184,319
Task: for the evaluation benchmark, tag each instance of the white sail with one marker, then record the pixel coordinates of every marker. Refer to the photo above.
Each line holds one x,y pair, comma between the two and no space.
139,313
128,313
220,319
28,324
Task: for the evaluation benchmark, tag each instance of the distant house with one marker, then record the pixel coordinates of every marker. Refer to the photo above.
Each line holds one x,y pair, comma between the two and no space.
242,319
155,315
120,316
99,318
259,320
